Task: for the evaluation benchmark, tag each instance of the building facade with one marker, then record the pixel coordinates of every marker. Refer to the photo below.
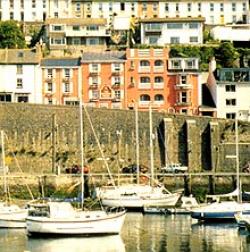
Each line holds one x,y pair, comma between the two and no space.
103,76
61,81
20,75
162,31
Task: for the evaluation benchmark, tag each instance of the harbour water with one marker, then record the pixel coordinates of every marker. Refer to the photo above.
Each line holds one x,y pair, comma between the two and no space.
177,233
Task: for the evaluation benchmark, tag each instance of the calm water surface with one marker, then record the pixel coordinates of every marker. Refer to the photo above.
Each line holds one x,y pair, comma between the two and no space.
140,233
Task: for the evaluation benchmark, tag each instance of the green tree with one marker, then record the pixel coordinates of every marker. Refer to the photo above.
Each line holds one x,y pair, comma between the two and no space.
11,35
226,55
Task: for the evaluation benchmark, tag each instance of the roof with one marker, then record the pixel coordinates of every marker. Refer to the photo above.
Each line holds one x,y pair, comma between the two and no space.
172,20
60,62
76,21
19,56
107,56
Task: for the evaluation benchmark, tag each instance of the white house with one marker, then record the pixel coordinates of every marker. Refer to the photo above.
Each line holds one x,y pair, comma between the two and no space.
162,31
20,76
215,12
230,88
236,32
34,10
75,34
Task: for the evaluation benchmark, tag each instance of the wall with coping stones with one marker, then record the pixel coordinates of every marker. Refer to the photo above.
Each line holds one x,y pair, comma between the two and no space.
199,142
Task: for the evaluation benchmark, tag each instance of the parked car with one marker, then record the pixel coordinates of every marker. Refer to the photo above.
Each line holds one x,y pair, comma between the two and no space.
133,169
174,168
76,169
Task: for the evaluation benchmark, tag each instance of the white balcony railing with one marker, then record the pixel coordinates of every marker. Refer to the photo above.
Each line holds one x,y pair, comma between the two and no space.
158,69
159,85
144,85
144,103
145,69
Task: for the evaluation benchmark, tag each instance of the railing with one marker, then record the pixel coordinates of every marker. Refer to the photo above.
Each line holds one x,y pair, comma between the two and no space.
144,85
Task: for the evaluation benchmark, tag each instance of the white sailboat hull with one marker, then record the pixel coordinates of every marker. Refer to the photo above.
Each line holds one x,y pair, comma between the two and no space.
82,225
12,217
140,201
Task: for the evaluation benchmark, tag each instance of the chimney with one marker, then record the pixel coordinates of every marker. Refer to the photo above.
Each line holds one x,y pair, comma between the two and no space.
212,65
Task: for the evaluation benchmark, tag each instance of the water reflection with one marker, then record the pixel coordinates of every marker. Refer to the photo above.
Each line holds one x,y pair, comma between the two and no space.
94,244
156,233
180,233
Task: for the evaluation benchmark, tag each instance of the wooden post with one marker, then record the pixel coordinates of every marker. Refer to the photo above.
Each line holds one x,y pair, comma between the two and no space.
53,143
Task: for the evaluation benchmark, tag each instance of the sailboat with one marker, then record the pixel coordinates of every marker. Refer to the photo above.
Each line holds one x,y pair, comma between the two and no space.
136,196
11,216
224,210
60,218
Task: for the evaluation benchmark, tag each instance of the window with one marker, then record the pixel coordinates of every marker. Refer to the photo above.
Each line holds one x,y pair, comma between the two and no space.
66,87
67,72
100,6
212,19
21,3
174,26
117,80
132,6
49,73
22,16
11,15
76,41
49,87
234,19
144,7
155,6
57,28
231,102
56,3
183,79
56,14
122,6
132,64
233,6
144,63
19,69
33,4
158,63
144,97
183,97
177,7
76,28
92,28
117,67
244,7
189,7
153,27
57,41
199,6
95,67
166,7
44,4
190,64
50,101
176,64
153,40
211,6
230,115
110,6
94,80
145,79
193,39
158,79
93,41
159,97
230,88
117,94
221,7
19,83
78,7
174,40
95,94
11,3
193,25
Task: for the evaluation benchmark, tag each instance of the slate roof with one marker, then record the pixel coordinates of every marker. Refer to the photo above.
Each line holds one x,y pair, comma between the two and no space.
19,56
107,56
60,62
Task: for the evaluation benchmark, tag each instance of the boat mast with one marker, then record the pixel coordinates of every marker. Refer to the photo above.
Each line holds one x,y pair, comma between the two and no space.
137,144
3,165
237,159
81,133
151,145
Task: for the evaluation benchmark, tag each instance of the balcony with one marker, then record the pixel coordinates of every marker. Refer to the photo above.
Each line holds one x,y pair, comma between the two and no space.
93,86
94,98
94,72
66,79
183,104
66,93
49,78
158,69
180,86
159,85
144,69
144,104
116,72
116,99
144,86
116,86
